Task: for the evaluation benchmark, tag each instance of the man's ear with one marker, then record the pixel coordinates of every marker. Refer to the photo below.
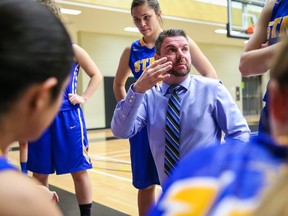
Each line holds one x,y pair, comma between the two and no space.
278,102
43,95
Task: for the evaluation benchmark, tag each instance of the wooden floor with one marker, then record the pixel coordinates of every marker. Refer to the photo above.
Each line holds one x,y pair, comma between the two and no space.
111,175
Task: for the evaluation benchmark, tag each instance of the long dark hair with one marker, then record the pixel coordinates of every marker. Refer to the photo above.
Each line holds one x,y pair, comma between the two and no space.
34,46
151,3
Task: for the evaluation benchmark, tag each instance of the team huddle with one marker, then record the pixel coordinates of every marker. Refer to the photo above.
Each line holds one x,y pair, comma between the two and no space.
186,132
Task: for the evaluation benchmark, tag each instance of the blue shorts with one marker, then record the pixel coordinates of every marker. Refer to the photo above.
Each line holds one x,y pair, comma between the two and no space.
144,173
264,126
63,147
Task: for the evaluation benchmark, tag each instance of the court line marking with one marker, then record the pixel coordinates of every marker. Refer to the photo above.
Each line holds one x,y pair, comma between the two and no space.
117,177
110,175
113,152
97,157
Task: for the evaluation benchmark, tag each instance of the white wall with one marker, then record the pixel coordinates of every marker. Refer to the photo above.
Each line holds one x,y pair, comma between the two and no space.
225,60
106,50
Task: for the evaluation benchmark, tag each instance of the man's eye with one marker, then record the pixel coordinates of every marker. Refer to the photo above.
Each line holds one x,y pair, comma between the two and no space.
185,49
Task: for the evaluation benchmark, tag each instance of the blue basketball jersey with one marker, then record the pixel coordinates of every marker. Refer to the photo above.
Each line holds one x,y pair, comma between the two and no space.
5,165
71,87
144,171
277,28
222,180
278,23
140,57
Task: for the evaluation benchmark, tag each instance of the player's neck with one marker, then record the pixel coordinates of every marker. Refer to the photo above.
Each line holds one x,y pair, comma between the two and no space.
150,40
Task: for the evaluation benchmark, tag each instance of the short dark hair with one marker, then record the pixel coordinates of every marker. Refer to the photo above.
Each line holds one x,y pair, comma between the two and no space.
34,46
168,33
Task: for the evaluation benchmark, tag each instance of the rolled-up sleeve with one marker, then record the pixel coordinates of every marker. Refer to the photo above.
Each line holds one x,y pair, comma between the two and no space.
125,122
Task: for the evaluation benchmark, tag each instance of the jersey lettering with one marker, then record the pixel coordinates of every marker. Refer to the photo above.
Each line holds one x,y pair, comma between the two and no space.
277,27
194,196
142,64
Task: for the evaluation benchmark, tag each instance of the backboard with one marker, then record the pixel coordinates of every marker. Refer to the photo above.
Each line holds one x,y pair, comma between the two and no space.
242,17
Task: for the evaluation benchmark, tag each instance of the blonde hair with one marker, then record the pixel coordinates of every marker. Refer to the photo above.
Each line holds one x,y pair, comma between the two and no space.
275,199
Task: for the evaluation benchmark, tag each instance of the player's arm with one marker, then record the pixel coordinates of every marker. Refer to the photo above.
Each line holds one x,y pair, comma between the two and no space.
200,61
122,74
256,58
90,68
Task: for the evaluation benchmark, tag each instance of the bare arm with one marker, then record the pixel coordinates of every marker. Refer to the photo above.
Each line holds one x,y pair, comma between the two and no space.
200,61
91,69
122,74
20,195
256,58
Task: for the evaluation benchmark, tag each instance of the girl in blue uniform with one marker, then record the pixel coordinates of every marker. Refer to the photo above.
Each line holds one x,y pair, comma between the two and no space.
146,15
33,75
261,47
63,147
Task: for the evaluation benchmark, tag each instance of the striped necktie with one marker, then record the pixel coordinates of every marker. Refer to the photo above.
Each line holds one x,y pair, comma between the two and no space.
172,131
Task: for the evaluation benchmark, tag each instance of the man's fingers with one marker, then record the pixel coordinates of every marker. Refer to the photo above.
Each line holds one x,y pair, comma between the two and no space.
158,62
163,68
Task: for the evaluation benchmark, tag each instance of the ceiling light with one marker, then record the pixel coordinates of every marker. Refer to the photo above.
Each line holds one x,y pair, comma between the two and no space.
70,11
131,29
216,2
221,31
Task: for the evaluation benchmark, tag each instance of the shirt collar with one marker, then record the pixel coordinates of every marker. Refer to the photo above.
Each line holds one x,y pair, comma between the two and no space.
184,84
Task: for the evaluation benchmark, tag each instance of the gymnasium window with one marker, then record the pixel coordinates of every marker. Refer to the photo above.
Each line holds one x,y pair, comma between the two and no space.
252,99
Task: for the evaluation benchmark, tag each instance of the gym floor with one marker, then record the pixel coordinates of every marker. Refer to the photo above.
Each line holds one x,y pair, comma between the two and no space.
110,176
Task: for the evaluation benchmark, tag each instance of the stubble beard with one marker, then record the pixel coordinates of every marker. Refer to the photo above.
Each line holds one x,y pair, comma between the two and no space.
181,73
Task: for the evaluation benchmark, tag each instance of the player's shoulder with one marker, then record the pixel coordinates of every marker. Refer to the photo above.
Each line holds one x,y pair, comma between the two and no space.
214,152
22,190
206,80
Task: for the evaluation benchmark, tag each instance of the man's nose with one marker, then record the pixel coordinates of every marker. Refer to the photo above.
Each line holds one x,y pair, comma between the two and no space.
180,54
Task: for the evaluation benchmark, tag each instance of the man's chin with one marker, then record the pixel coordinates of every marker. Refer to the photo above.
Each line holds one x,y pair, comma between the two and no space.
180,73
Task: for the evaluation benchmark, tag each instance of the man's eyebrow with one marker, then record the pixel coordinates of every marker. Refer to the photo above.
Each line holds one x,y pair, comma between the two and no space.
173,46
169,46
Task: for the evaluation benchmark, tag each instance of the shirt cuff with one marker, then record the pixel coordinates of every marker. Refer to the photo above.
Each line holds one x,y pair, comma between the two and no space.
134,98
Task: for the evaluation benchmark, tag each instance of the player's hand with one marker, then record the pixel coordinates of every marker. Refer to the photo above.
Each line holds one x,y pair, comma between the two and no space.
76,99
264,45
55,196
51,194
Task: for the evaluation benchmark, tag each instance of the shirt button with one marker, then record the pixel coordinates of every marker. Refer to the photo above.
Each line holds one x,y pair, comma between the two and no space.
123,116
130,101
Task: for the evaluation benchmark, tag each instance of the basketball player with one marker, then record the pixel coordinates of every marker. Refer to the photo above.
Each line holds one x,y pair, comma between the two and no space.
63,147
261,47
33,75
